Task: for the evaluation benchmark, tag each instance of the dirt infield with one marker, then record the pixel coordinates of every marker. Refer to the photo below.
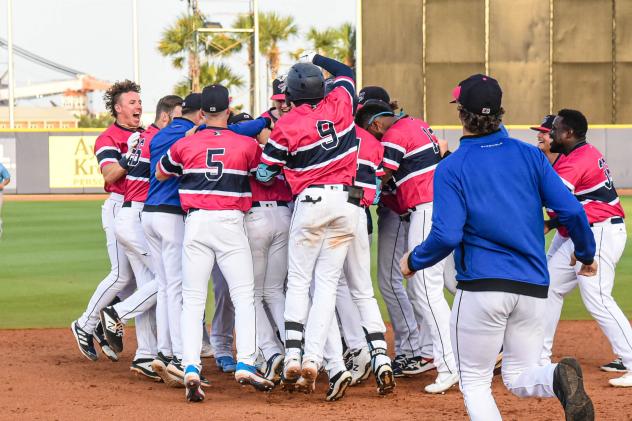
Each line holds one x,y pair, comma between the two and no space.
45,377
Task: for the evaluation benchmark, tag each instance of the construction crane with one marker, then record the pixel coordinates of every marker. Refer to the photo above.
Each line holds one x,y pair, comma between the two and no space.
74,90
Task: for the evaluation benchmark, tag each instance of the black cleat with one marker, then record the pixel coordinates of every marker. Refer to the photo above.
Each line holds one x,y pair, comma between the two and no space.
568,385
84,342
142,367
112,328
107,350
338,384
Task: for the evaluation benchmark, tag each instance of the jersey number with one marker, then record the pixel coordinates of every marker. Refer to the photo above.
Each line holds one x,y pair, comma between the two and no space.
215,168
326,129
606,171
135,155
430,134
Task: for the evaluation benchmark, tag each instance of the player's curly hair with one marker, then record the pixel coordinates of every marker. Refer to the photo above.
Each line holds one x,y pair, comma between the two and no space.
113,94
480,124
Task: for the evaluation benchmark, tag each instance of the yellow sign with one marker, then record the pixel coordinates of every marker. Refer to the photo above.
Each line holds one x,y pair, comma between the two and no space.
72,162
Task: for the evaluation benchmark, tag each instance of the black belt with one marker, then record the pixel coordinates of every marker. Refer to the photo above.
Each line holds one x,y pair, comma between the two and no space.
322,186
278,203
191,210
127,204
613,221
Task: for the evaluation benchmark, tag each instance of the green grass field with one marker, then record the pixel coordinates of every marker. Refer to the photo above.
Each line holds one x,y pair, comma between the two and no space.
52,255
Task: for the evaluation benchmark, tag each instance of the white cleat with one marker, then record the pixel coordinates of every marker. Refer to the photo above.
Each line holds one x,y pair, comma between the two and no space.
623,381
360,366
442,384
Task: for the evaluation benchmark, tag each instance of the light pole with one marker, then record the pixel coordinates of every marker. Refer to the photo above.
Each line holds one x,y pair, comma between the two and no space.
257,96
135,40
11,76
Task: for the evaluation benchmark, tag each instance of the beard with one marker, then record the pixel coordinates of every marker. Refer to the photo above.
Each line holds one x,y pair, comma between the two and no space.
556,147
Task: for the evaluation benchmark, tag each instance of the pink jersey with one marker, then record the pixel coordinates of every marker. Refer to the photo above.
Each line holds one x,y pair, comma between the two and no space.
411,151
316,145
586,174
278,191
137,178
214,166
110,147
370,156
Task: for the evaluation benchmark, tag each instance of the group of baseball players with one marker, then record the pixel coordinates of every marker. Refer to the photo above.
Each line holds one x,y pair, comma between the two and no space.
276,211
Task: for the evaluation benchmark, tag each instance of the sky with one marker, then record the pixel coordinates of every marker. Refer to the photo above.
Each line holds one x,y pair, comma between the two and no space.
95,37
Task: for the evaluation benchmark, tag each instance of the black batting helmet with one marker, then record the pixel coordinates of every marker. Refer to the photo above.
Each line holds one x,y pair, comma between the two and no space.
304,81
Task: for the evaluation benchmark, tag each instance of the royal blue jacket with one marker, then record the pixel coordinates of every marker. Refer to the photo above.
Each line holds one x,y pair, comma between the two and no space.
488,199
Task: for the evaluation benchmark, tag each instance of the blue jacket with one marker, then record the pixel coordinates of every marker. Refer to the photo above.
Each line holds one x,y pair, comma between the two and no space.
488,198
163,196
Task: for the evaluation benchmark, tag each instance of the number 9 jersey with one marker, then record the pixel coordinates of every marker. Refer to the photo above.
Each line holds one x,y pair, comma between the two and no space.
317,145
213,165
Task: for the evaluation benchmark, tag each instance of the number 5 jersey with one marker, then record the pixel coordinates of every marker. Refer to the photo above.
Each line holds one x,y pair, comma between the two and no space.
213,165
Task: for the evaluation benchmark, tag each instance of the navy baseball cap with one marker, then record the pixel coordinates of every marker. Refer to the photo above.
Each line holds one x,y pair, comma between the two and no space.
192,102
278,90
215,98
373,92
479,94
238,118
546,125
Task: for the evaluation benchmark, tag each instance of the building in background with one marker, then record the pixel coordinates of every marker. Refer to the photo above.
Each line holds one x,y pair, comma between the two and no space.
40,118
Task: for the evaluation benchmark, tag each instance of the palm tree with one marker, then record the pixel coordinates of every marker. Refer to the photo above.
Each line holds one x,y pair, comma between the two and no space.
211,73
274,29
347,44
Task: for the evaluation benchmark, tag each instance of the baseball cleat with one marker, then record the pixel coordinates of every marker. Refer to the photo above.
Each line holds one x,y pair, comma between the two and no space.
207,351
247,375
398,365
159,366
291,372
568,386
360,365
309,372
417,365
174,368
385,379
107,350
615,367
142,367
274,368
623,381
226,364
338,384
84,342
193,392
442,383
112,328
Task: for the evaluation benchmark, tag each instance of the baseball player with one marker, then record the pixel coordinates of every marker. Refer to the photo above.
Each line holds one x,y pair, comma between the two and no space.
279,107
213,166
413,348
316,144
502,275
411,154
5,179
130,233
585,173
123,102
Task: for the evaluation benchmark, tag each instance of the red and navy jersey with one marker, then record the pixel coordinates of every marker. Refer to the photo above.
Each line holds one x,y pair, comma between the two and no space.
137,178
411,151
277,191
269,114
317,145
370,156
213,165
586,174
110,147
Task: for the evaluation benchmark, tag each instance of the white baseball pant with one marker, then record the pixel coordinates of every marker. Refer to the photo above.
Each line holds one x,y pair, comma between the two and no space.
322,227
223,323
349,317
120,279
596,291
484,321
164,233
211,236
427,298
392,241
268,229
141,304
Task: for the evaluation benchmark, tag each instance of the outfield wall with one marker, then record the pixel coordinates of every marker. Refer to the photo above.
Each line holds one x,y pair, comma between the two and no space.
43,162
